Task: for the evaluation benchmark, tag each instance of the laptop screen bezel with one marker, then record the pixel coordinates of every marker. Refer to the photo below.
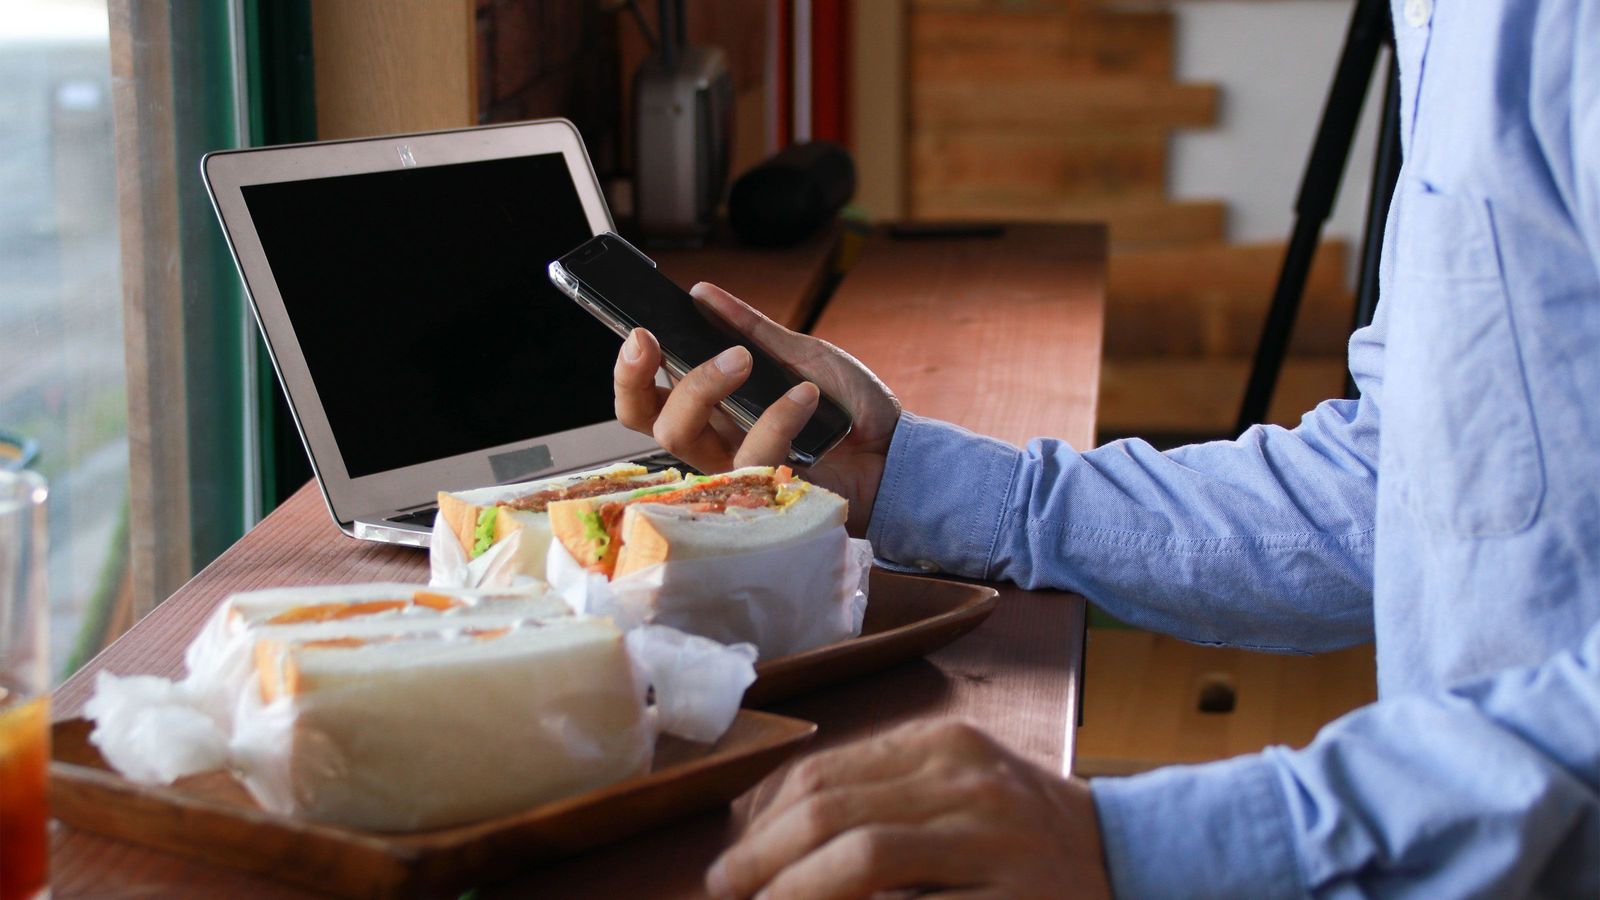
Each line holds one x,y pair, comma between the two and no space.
226,173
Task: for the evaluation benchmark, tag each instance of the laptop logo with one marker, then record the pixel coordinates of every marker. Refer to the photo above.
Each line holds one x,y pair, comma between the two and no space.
406,159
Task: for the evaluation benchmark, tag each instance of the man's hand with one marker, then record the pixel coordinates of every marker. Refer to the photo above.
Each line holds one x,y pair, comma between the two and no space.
688,423
934,807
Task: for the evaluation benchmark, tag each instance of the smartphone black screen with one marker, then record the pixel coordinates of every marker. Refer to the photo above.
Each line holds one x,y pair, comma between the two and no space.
632,290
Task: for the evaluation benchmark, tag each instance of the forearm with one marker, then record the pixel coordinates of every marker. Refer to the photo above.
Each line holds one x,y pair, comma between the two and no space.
1264,542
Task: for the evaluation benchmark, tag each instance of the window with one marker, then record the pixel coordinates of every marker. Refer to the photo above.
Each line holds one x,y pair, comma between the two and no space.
63,396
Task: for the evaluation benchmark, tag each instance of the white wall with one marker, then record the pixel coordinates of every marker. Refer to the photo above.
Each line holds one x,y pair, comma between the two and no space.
1274,62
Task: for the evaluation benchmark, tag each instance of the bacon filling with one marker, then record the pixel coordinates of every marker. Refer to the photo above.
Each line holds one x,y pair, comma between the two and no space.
718,495
592,487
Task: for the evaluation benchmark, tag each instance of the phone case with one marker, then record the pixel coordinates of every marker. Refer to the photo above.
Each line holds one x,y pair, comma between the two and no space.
569,284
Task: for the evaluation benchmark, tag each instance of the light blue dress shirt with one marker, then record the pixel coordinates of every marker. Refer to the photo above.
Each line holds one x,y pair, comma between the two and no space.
1452,514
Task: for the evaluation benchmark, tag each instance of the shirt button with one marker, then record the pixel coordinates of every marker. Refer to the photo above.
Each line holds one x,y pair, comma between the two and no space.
1417,12
927,565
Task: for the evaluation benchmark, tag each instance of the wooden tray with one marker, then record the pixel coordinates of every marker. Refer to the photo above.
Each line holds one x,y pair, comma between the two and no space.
907,616
211,817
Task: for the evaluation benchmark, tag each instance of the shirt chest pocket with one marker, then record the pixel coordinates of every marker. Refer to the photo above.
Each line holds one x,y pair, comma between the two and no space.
1457,415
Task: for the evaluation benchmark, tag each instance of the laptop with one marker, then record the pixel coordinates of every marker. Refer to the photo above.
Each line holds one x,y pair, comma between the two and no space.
400,283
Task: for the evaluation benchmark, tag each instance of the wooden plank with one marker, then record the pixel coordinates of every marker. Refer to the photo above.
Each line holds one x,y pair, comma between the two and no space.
1141,700
153,297
1049,106
1000,336
1093,165
405,65
1201,396
1055,44
880,106
1133,223
1211,300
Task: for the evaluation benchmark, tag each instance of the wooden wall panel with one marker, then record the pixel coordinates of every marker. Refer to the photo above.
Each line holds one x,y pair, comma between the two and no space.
879,105
1211,299
1134,223
1158,396
1047,106
402,65
1094,165
963,44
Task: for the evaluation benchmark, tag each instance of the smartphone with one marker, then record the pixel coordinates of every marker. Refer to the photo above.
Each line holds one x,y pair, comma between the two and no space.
621,287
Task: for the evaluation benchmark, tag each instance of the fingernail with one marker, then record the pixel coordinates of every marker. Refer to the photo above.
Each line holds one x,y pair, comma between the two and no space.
717,884
733,360
802,394
631,348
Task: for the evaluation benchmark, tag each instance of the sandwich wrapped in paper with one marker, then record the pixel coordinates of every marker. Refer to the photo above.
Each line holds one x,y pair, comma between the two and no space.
223,656
754,555
492,535
390,708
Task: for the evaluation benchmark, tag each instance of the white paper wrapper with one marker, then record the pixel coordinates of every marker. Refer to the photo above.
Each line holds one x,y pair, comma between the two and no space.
159,733
454,748
501,565
698,682
355,755
783,600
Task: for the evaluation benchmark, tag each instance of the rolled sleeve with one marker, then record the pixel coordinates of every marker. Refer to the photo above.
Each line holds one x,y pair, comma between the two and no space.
1216,830
943,497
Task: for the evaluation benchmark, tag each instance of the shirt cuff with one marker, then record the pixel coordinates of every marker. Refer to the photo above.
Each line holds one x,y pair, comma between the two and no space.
1216,830
943,497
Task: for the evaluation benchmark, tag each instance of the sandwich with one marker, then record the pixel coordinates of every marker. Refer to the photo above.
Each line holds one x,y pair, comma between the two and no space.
481,518
222,659
389,707
426,728
746,510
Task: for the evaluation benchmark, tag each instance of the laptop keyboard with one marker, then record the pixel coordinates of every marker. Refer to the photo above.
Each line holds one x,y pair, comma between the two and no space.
423,517
655,462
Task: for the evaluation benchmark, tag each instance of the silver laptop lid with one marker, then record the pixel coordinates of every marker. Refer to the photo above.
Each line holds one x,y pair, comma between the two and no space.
400,283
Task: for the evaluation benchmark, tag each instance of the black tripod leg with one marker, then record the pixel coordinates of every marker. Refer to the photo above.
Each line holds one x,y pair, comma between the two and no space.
1385,173
1369,25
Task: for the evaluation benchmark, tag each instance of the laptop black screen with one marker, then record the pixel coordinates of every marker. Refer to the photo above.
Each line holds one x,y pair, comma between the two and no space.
421,303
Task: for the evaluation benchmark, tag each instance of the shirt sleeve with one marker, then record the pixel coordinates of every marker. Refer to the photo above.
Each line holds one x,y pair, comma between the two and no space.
1491,789
1264,542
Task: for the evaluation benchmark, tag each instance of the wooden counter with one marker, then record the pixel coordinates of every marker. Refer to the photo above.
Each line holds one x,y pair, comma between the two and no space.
1001,335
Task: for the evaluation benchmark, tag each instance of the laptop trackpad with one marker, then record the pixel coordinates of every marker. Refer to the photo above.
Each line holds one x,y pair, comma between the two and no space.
518,464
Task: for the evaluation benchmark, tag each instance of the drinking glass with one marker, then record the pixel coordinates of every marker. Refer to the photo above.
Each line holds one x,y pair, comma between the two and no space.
24,690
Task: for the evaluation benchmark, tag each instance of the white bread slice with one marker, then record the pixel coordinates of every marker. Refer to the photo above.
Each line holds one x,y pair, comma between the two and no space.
221,659
381,600
461,511
273,648
440,729
657,532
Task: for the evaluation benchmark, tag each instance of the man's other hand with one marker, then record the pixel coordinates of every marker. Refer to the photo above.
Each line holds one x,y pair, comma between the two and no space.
686,420
935,807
